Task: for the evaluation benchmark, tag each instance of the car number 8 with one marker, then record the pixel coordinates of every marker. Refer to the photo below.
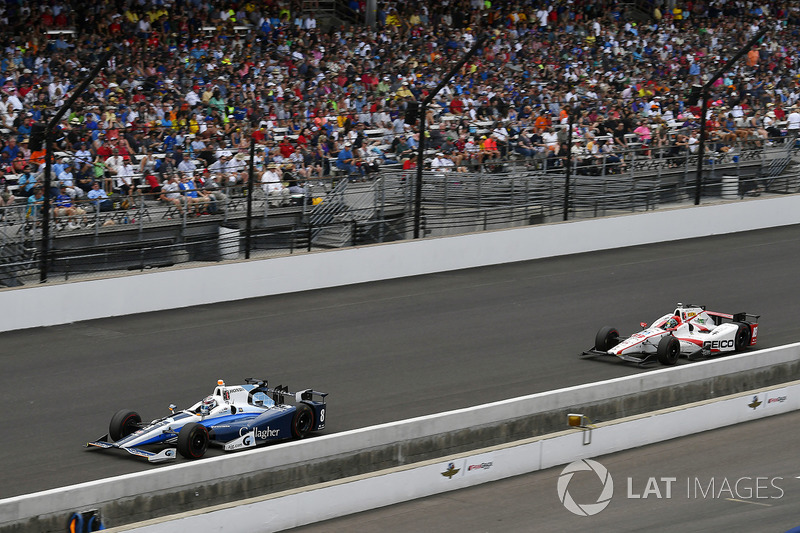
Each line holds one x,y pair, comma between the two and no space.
322,415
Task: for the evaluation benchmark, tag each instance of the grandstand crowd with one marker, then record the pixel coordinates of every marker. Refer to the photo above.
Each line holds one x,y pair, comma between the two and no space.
191,84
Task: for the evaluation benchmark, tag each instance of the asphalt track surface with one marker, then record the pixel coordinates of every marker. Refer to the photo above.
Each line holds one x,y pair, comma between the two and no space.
385,351
758,460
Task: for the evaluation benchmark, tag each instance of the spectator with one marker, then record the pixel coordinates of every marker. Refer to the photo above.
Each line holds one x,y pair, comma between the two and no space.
346,161
35,202
124,180
64,207
793,119
99,198
187,166
442,163
272,184
67,179
213,188
197,200
7,198
170,194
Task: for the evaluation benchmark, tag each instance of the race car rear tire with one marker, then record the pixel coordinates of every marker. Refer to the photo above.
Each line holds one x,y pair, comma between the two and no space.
668,351
606,339
123,423
302,421
193,440
742,340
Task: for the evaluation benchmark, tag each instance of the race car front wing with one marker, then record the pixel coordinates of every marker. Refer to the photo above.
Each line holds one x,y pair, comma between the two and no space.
642,359
167,454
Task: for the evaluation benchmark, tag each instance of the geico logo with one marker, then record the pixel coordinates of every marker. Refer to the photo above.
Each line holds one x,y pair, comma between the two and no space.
718,344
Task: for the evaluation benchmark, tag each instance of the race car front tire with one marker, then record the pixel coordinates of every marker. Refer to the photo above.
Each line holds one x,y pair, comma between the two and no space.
606,339
123,423
742,337
668,351
302,421
193,440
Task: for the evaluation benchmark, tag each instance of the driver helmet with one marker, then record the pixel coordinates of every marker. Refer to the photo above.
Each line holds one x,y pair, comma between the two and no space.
672,322
207,405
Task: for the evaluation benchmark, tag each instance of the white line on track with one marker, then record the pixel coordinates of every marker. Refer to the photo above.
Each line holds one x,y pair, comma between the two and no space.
748,501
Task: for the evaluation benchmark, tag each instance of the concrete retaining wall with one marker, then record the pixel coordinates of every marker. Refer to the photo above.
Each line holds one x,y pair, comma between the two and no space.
53,304
189,486
322,502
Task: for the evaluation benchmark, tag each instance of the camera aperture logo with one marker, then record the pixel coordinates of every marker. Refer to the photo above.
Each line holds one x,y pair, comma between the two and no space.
585,509
741,489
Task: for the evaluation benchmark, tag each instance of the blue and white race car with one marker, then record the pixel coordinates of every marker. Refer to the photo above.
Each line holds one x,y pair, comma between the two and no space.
237,417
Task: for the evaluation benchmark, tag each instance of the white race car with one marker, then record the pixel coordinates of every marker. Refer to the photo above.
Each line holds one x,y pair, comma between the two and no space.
689,330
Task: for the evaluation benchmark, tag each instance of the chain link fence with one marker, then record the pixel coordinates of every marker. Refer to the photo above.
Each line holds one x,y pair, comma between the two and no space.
335,212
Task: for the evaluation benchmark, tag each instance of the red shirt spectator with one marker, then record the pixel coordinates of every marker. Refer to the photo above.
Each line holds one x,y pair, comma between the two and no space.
286,148
260,135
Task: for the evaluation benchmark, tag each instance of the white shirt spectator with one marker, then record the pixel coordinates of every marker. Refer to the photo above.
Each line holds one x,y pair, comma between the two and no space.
124,175
271,181
171,189
273,187
793,120
83,157
442,163
692,143
114,163
144,25
187,166
192,99
550,138
501,134
14,100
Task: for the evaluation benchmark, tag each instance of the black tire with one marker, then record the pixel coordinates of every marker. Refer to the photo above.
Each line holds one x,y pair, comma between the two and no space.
302,421
742,340
123,423
606,339
193,440
668,351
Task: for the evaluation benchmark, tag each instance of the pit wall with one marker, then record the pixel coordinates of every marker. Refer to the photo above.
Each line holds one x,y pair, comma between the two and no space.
53,304
186,486
353,495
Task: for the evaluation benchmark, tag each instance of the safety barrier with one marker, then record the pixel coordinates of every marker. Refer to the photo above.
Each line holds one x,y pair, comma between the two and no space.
170,289
190,486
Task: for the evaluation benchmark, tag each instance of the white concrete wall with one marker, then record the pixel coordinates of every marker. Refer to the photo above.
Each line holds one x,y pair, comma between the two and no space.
297,508
53,304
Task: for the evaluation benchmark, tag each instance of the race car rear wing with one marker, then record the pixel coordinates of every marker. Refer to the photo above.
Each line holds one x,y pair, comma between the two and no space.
279,392
738,317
